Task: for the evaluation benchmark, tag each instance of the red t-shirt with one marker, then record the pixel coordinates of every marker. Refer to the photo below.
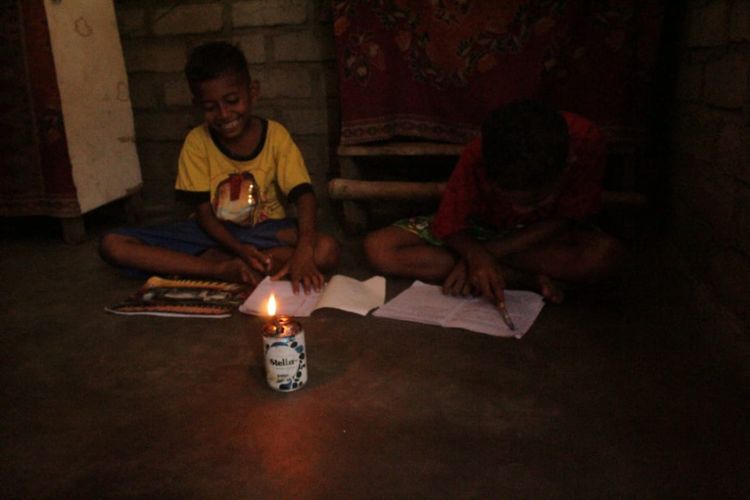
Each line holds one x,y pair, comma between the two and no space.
464,203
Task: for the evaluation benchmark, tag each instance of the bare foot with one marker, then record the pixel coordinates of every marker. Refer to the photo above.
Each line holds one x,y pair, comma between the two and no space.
217,255
550,290
236,271
279,257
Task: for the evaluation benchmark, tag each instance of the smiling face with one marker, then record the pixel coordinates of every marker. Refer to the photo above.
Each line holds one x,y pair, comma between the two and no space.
227,103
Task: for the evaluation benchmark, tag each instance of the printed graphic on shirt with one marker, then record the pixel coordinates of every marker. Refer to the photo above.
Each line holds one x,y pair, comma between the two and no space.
236,199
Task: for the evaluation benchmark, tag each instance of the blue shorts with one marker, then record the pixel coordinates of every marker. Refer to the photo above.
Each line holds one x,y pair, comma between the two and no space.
188,237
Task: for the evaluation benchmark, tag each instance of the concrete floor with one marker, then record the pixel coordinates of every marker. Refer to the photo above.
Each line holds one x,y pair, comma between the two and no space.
609,395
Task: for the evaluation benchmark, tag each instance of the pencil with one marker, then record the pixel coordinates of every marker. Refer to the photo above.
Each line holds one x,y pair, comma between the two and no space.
505,315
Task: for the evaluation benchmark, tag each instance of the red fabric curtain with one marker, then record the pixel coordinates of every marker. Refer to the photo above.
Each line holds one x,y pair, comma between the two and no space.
35,171
434,69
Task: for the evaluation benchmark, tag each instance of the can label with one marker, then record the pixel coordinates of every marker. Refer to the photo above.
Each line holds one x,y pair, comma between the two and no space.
286,361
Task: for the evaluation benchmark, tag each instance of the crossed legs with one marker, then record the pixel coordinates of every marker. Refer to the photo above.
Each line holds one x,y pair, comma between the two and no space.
576,256
128,251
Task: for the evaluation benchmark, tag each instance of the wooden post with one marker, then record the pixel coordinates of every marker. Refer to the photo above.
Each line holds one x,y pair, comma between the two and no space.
354,212
73,230
355,215
348,189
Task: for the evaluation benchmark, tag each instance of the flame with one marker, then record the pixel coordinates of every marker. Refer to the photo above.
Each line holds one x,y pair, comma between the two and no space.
271,307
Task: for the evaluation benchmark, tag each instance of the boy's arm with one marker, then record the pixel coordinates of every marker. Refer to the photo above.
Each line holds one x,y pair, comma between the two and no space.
216,229
526,237
482,273
480,258
301,267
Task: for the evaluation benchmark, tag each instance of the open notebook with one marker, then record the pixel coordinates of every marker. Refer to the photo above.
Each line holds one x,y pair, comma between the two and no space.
423,303
341,292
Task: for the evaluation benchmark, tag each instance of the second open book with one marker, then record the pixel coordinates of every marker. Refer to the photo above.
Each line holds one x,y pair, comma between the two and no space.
420,303
423,303
341,292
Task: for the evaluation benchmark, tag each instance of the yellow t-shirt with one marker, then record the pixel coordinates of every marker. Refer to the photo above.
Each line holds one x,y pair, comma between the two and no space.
245,191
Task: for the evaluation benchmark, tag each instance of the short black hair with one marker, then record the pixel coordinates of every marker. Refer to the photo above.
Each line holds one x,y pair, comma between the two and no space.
524,145
213,59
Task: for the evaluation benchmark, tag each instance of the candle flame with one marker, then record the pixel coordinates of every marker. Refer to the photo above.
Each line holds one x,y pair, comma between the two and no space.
271,307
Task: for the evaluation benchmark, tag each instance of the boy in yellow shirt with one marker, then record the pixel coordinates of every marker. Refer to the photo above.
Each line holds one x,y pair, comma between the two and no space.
235,167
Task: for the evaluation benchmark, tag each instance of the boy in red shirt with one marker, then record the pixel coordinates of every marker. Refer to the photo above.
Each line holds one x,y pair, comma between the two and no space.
513,212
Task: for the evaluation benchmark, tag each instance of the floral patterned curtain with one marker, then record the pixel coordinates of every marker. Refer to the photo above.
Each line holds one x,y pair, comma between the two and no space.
434,69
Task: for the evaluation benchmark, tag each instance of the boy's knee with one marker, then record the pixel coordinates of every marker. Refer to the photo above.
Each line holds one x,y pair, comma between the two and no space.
108,246
612,250
608,257
327,252
374,251
112,247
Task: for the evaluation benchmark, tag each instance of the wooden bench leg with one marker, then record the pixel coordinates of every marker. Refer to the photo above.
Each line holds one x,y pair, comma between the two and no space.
133,208
354,213
628,184
73,230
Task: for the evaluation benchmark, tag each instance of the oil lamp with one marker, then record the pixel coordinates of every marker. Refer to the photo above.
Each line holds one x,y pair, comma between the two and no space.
284,351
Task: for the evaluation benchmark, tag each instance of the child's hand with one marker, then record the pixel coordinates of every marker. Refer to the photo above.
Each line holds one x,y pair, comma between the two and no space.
457,283
256,259
301,268
485,276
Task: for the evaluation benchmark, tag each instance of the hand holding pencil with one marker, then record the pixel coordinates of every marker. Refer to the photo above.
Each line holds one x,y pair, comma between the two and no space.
497,295
487,279
506,317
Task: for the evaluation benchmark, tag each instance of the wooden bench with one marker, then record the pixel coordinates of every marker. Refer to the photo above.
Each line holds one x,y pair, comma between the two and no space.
354,190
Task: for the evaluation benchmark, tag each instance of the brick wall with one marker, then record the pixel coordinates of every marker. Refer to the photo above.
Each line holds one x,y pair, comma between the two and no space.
710,175
289,47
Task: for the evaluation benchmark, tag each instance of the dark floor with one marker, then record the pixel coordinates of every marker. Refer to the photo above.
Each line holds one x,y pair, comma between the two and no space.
609,395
